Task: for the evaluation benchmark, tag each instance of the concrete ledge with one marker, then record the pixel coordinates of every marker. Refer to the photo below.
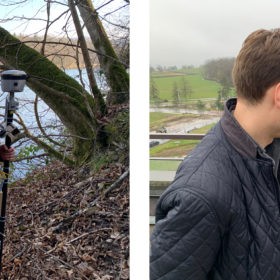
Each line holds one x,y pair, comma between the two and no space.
159,180
152,220
152,223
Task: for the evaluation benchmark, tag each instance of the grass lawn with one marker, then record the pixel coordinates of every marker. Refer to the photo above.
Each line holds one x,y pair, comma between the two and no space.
173,148
203,129
168,165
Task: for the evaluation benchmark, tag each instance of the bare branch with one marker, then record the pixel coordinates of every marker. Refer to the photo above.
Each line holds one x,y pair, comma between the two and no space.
102,6
40,125
31,157
115,10
47,28
45,146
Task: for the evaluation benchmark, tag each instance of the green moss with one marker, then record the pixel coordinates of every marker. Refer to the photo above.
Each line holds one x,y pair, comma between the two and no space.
61,92
40,68
118,129
117,76
100,103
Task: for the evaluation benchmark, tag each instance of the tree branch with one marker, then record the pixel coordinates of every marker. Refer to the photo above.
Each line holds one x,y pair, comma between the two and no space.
45,146
40,125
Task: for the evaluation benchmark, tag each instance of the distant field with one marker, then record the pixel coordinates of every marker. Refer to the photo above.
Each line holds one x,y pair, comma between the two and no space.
201,88
167,74
158,119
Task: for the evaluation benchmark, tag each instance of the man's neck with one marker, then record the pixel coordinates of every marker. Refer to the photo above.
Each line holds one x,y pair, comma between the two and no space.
253,119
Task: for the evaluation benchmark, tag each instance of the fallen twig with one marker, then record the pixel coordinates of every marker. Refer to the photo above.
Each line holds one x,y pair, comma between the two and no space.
87,233
86,210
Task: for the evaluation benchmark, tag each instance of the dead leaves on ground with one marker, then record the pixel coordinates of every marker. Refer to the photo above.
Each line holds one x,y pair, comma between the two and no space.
92,246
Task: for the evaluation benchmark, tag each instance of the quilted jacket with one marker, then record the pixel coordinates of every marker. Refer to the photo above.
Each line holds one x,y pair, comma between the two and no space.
220,218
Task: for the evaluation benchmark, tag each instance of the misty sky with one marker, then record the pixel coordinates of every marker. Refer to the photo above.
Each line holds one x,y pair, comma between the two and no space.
189,32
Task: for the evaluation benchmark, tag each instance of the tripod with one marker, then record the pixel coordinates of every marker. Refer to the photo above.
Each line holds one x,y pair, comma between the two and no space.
11,105
11,81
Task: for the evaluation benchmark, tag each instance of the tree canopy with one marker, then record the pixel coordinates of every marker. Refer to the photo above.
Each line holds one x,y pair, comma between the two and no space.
219,70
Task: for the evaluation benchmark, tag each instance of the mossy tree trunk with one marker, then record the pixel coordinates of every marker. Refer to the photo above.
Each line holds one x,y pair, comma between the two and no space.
89,68
65,96
114,70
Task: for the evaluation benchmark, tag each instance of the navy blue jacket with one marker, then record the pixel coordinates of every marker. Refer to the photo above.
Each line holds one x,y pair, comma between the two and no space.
220,218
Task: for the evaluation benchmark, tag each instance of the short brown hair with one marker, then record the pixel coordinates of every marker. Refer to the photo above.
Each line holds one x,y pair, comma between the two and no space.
257,66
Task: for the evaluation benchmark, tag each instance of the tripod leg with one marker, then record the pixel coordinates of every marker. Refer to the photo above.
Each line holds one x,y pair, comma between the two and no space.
4,188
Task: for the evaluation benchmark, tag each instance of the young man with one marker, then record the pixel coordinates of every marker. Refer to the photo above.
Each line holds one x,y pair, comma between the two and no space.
220,218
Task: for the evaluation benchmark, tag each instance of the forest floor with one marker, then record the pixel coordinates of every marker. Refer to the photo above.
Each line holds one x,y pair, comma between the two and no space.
64,223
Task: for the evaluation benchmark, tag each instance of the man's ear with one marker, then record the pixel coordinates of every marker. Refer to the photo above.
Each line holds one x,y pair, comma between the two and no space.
277,95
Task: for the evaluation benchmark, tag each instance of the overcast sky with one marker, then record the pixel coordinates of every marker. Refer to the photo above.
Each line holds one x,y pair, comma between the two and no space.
188,32
37,9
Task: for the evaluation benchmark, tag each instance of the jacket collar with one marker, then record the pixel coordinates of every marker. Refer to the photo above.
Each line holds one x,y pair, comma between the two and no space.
236,135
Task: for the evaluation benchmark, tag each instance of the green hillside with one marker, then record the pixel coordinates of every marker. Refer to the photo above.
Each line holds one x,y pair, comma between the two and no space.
201,88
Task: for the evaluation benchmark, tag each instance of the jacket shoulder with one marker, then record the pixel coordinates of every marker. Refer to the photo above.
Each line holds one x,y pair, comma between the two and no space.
209,172
185,242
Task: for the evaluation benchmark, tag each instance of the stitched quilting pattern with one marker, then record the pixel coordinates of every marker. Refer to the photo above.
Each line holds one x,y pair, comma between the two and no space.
219,219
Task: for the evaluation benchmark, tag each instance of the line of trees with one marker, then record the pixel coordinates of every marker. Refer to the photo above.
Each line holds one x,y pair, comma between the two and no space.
160,68
154,92
181,91
220,70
